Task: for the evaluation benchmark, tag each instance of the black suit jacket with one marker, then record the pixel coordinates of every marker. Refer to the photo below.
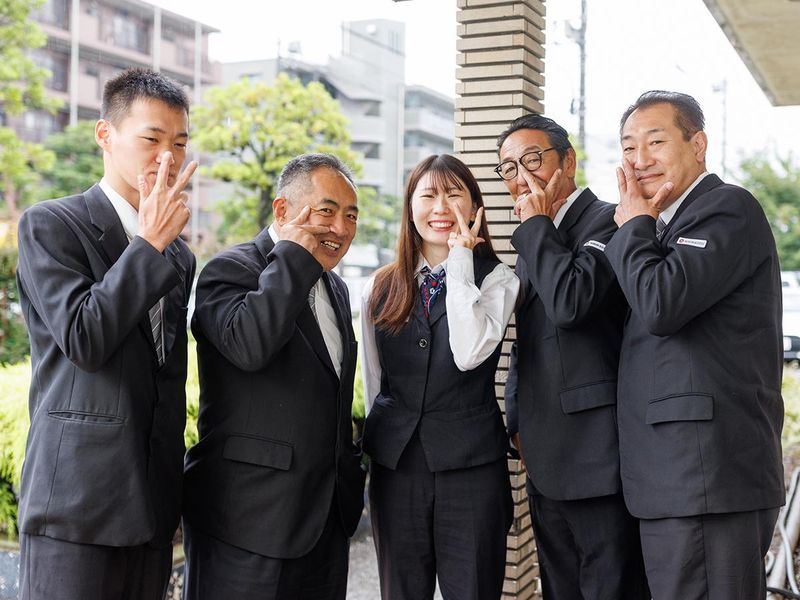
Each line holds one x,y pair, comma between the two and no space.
275,422
700,408
561,395
105,446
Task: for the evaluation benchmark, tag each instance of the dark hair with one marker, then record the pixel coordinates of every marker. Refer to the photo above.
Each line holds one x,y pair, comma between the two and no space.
688,114
395,289
297,171
121,91
556,134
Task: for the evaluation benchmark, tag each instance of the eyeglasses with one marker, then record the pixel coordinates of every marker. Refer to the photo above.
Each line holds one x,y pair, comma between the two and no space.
530,160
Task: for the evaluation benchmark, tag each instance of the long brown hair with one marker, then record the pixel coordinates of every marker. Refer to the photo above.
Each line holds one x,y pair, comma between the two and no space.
395,288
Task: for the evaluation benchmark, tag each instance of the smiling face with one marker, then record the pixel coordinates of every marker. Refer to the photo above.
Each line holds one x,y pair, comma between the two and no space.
333,203
135,144
433,205
656,148
523,141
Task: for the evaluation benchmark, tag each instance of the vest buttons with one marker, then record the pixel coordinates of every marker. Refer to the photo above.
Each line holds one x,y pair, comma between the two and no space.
423,343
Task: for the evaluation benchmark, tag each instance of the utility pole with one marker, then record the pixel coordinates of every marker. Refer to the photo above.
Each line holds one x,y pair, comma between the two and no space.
722,88
578,35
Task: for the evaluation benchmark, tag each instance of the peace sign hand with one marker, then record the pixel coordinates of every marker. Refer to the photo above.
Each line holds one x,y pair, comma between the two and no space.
162,210
539,201
632,202
468,238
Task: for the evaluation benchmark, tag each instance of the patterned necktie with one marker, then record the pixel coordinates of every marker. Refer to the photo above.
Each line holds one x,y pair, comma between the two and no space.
430,288
661,225
312,301
157,326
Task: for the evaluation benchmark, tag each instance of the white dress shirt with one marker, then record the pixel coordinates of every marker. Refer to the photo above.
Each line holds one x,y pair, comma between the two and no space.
130,223
326,317
477,318
669,212
566,206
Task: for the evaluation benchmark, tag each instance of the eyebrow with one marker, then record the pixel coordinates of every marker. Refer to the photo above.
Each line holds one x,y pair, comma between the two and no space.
525,150
351,207
156,129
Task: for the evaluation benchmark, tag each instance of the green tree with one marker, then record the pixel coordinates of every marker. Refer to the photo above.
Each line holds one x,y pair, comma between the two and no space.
78,160
378,218
22,87
776,185
257,128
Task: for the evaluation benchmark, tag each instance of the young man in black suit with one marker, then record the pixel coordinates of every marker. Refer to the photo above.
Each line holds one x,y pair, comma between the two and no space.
561,397
274,488
104,281
700,408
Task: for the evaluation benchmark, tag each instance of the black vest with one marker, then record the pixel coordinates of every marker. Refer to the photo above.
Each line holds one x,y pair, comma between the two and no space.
459,421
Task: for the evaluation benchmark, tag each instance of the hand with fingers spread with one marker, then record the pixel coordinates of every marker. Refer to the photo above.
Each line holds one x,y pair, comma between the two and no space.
539,201
467,237
632,202
300,231
162,210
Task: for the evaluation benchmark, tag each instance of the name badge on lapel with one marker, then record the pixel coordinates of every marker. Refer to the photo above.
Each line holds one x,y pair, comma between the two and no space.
595,244
692,242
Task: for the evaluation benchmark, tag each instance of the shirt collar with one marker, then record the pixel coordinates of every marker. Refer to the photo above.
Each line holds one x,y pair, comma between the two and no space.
422,263
566,206
126,213
669,212
273,233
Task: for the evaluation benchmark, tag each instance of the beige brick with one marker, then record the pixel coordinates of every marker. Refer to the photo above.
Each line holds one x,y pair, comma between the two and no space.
537,6
516,25
504,40
509,10
501,71
531,90
521,56
487,116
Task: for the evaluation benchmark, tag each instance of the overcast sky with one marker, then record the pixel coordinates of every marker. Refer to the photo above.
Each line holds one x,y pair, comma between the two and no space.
633,46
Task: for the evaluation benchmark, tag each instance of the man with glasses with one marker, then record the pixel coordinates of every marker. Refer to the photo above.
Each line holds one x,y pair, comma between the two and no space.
561,395
700,408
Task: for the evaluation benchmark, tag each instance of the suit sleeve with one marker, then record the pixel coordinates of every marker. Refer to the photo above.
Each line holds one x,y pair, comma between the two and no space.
247,314
571,285
668,287
88,319
512,406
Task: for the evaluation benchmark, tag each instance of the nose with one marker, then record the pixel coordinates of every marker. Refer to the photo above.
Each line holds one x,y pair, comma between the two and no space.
440,204
520,181
642,158
339,226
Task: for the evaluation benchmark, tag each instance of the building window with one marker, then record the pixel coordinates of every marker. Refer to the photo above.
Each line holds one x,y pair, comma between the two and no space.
129,32
53,12
58,65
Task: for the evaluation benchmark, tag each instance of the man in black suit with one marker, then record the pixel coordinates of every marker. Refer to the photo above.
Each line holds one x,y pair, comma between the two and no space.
561,397
274,488
699,406
104,282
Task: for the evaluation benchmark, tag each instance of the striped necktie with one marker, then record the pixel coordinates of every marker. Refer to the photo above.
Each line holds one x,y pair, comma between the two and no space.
430,287
661,225
157,326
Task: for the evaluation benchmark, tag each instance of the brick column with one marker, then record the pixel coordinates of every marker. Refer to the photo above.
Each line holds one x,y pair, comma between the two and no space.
500,76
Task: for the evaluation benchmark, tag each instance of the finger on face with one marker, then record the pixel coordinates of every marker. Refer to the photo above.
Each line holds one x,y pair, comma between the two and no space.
661,196
530,179
144,189
476,226
163,170
185,176
622,182
555,181
462,224
315,229
301,217
627,168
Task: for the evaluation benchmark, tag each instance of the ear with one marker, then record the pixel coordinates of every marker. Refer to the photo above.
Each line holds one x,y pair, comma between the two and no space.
570,164
700,146
279,209
102,134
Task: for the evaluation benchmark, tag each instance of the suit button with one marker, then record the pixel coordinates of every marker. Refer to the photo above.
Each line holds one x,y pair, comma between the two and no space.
423,343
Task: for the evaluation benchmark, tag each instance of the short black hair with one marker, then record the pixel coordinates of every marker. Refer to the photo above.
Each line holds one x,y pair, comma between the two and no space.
304,165
688,114
122,90
556,134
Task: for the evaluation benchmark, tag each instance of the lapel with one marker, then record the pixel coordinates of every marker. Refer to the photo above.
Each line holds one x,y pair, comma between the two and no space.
438,309
708,183
575,211
112,238
306,321
174,300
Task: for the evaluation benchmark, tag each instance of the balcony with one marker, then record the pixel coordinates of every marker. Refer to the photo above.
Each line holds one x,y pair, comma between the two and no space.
420,119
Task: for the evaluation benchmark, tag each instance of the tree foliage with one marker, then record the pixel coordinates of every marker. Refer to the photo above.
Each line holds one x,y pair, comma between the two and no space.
256,129
378,218
78,160
776,185
22,87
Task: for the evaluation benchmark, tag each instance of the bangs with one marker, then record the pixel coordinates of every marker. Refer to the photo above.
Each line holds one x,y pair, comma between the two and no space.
443,179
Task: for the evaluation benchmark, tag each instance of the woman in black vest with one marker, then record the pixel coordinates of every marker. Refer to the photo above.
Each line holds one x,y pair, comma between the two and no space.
440,498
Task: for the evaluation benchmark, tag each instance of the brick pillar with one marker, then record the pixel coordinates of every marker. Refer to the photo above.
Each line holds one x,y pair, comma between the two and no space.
500,76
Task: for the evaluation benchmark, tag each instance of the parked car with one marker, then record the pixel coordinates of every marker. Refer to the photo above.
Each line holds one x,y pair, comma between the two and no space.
790,281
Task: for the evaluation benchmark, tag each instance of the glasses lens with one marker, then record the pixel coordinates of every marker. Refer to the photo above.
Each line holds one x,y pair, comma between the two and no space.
508,170
531,161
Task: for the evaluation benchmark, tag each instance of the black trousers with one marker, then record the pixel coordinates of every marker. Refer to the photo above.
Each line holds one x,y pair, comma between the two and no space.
55,569
216,570
708,557
588,549
450,523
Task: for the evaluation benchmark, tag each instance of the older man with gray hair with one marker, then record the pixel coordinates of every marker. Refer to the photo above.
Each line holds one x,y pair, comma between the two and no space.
274,488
